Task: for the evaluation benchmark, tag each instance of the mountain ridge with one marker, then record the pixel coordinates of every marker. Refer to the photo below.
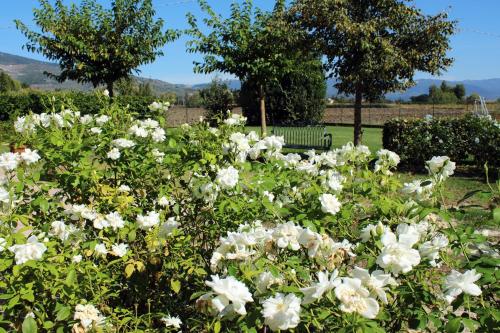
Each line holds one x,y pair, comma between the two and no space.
30,71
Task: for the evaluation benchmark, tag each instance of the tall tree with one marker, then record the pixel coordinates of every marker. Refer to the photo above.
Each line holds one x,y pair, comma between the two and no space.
96,44
375,46
251,44
7,83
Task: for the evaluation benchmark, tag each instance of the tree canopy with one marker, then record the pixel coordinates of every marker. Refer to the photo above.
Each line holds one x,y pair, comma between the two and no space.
375,46
251,44
96,44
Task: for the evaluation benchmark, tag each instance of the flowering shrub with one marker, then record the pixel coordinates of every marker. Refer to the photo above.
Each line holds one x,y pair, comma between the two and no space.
108,224
470,139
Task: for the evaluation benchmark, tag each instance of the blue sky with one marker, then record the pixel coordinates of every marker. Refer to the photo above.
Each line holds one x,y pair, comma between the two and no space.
476,46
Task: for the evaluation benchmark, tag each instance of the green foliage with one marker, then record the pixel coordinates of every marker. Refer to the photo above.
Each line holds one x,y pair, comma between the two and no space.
471,139
20,103
374,47
217,99
94,44
7,83
253,45
297,98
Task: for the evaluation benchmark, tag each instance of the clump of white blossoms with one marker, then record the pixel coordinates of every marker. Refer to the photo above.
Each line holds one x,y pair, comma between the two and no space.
113,154
386,160
159,106
354,297
227,178
229,294
457,283
149,220
123,143
32,250
329,203
148,128
234,119
89,316
170,321
441,167
375,282
119,250
281,312
397,254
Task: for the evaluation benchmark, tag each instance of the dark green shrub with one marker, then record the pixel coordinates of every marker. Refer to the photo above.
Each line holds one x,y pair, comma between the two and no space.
216,99
19,103
471,139
299,98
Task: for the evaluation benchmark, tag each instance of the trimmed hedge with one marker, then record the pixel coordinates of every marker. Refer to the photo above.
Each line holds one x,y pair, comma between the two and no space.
472,139
13,104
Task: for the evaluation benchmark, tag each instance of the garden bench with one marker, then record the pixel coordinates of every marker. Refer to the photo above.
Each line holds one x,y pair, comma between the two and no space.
308,137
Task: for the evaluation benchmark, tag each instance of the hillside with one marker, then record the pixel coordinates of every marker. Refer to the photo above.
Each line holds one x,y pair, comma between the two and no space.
30,71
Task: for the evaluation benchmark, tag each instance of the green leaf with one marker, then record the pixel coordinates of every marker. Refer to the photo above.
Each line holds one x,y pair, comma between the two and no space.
63,313
453,325
496,215
175,285
29,325
129,270
217,327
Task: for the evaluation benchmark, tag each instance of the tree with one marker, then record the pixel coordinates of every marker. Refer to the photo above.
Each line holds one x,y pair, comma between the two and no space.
297,98
7,83
94,44
374,47
253,45
459,91
216,99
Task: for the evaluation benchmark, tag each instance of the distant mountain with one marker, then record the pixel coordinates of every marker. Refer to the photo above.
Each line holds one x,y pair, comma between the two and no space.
30,71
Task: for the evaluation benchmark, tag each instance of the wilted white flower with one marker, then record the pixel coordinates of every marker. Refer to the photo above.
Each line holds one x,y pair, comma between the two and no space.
89,316
266,280
60,230
329,203
32,250
229,292
163,201
356,298
119,250
281,312
440,166
430,249
457,283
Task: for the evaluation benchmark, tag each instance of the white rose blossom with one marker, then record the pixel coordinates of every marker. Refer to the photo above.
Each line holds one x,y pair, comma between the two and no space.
281,312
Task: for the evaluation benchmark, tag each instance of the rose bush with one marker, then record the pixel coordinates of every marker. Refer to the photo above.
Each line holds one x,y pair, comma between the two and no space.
109,224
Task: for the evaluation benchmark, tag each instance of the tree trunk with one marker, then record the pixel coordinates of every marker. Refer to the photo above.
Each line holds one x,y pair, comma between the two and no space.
110,89
262,100
358,132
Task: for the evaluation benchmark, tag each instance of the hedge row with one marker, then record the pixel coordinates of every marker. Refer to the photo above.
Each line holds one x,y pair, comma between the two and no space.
472,139
13,104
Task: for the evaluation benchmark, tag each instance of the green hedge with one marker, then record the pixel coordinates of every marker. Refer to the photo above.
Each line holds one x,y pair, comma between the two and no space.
19,103
467,140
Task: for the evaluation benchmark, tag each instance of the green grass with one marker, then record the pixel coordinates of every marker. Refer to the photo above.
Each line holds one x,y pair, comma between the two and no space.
372,137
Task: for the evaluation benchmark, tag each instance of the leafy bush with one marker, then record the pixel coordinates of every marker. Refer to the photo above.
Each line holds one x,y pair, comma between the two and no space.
470,139
217,100
111,224
20,103
298,98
